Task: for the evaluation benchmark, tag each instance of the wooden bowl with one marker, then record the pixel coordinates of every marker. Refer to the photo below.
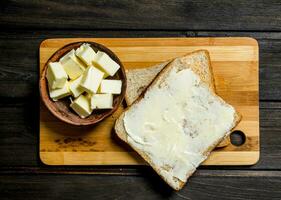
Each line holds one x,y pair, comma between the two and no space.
61,108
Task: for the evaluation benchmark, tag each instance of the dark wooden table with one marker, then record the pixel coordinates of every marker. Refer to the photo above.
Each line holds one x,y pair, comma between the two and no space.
24,24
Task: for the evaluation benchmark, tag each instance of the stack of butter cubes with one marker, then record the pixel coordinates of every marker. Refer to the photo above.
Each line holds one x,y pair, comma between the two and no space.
84,74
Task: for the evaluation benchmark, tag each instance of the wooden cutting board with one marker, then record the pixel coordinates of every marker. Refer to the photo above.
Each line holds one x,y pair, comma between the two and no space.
235,65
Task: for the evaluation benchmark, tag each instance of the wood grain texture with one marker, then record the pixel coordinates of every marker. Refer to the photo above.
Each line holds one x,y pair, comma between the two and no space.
21,77
205,184
18,141
234,60
20,128
143,15
26,23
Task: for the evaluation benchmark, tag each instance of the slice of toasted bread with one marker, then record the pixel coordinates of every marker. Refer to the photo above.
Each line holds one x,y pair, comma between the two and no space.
139,79
211,139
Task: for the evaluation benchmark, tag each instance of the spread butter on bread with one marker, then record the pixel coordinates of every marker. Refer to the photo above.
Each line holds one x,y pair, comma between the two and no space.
177,121
138,79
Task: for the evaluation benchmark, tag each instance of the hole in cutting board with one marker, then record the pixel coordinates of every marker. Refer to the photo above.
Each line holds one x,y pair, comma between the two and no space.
237,138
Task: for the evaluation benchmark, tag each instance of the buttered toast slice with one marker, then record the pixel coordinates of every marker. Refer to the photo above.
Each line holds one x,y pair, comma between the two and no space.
139,79
177,121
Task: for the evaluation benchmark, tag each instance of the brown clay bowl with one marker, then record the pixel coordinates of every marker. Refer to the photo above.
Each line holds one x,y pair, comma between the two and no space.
61,108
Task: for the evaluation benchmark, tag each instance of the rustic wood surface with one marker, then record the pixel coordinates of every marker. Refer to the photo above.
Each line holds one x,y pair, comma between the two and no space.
24,24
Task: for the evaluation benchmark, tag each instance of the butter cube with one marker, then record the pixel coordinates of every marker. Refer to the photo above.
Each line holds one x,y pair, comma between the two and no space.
56,75
101,101
111,86
81,106
91,79
108,65
66,56
59,93
75,87
73,67
86,54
